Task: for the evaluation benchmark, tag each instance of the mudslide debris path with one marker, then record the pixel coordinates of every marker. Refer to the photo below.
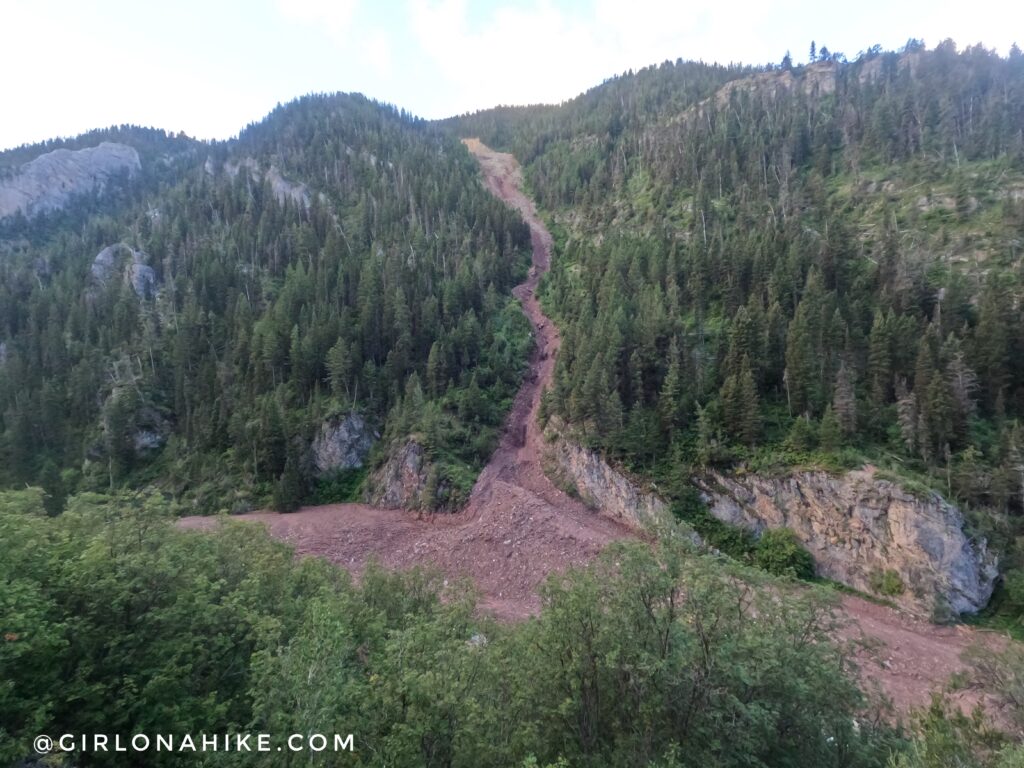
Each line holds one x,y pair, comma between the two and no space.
518,527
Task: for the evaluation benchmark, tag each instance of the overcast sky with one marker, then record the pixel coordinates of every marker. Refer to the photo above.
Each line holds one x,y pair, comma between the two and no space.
209,67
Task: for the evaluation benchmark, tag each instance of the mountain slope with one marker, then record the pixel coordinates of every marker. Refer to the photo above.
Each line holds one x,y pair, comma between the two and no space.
338,256
793,267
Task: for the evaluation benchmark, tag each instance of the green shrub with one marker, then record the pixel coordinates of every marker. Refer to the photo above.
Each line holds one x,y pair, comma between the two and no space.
343,486
886,583
1013,592
738,543
802,436
779,551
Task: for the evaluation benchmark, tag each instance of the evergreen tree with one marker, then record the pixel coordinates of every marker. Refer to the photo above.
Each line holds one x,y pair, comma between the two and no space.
880,361
289,491
340,369
670,398
741,405
802,436
829,431
844,401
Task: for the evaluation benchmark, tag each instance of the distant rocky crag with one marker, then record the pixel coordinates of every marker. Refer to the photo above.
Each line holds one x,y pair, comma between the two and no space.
51,180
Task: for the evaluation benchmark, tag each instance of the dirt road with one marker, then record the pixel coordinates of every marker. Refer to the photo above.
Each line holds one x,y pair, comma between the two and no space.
518,527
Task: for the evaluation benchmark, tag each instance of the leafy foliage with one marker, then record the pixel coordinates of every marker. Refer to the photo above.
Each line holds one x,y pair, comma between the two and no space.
886,583
115,621
779,551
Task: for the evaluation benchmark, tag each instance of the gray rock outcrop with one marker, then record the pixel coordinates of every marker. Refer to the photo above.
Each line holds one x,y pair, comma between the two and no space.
606,489
283,189
342,443
858,526
48,182
121,259
400,483
151,432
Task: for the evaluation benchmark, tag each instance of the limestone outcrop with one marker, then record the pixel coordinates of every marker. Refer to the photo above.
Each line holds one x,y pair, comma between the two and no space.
342,443
859,526
400,482
123,260
284,190
48,182
604,488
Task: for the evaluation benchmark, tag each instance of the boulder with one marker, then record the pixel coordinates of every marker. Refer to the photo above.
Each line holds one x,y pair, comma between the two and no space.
121,259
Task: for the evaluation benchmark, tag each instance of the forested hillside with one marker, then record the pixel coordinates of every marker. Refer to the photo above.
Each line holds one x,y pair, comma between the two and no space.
798,266
756,269
339,256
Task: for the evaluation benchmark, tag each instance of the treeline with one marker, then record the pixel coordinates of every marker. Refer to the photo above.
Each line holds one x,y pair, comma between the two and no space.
115,621
339,255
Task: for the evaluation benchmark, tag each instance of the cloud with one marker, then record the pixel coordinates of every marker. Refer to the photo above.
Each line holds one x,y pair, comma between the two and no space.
377,52
541,52
517,54
528,51
335,16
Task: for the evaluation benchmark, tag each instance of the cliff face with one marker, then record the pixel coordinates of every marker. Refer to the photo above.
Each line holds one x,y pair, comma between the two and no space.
605,489
283,189
400,483
121,259
49,181
858,527
342,444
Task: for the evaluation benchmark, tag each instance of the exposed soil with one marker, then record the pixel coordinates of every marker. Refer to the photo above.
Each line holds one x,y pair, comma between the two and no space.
909,658
518,527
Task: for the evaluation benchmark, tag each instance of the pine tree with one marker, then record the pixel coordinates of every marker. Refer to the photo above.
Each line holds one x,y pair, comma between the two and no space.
991,342
670,399
802,436
802,352
636,380
750,425
775,347
829,431
963,385
339,369
742,342
880,361
436,374
708,435
118,428
924,366
907,415
939,416
289,490
844,401
52,484
741,406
